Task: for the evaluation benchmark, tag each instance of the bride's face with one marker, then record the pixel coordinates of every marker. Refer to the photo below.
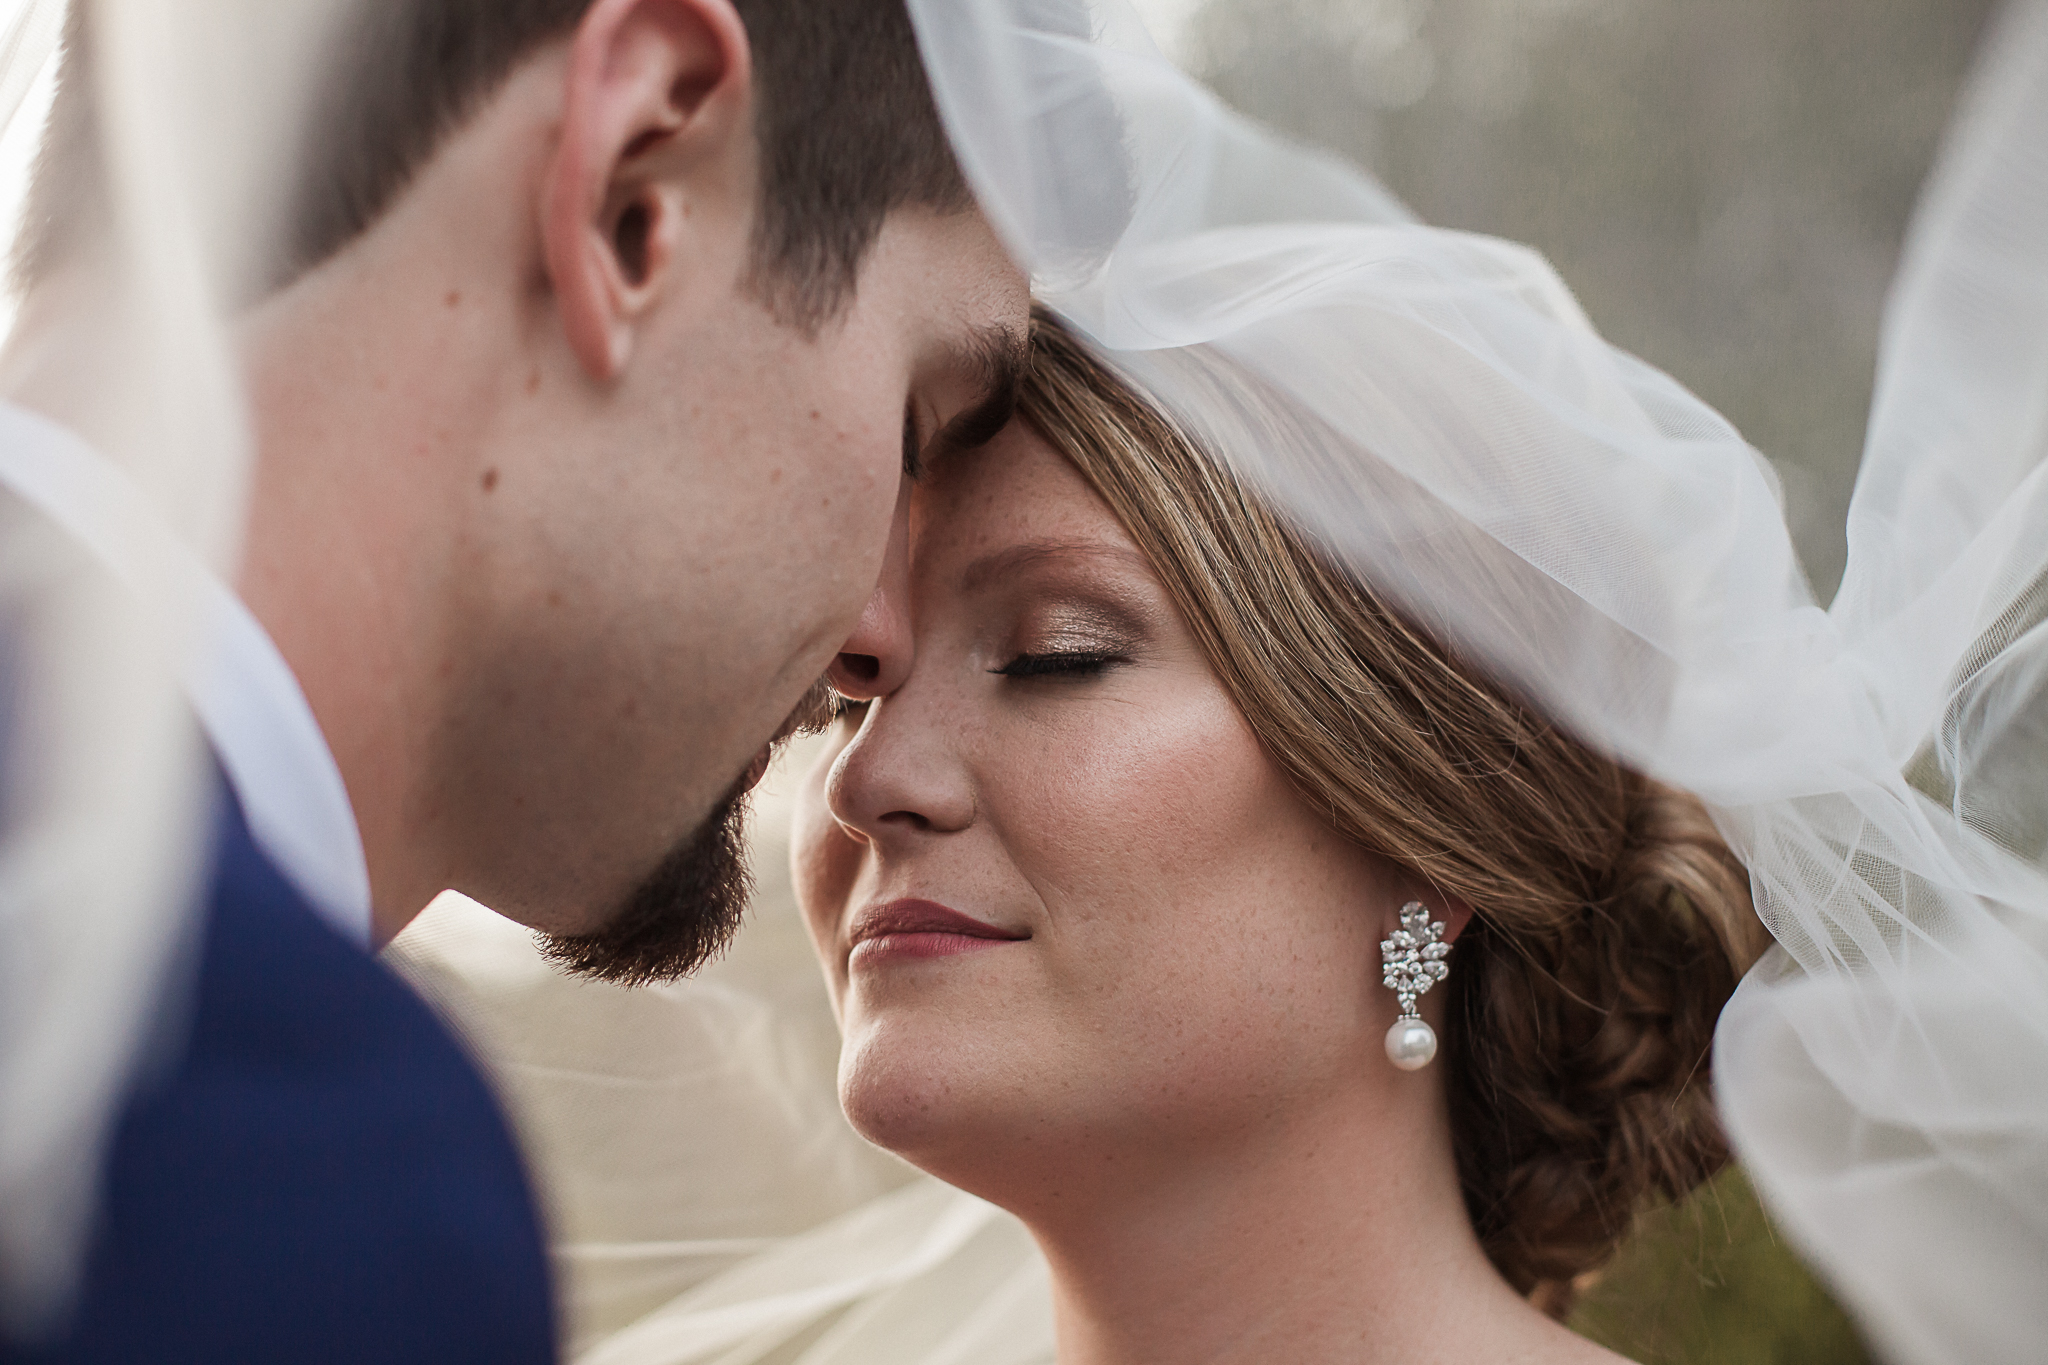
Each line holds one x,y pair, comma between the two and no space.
1061,893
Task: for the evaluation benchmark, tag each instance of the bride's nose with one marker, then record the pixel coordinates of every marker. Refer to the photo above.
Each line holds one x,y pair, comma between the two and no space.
902,777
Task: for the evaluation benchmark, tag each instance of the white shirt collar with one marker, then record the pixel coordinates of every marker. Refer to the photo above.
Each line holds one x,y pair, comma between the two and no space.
247,700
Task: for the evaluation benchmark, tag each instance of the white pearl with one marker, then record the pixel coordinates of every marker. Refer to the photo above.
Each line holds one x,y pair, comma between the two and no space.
1410,1044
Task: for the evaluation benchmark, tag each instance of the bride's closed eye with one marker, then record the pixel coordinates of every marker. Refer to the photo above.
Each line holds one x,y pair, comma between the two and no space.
1090,663
1072,638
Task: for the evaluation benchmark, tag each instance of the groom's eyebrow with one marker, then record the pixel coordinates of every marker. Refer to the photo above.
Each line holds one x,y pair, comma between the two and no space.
997,356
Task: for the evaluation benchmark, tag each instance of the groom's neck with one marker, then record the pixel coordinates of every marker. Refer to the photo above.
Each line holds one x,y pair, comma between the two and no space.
361,429
382,385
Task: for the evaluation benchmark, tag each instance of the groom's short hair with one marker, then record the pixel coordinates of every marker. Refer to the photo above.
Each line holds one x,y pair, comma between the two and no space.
845,125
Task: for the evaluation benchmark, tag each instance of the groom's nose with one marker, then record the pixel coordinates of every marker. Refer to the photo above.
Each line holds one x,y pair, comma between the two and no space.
876,658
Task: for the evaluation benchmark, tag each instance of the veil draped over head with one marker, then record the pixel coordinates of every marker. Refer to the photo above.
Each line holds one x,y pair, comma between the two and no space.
1431,403
1436,407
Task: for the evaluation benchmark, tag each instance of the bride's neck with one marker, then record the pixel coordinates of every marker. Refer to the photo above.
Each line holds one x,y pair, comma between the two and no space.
1328,1238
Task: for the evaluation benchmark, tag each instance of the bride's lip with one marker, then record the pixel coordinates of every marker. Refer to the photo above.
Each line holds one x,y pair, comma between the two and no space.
921,929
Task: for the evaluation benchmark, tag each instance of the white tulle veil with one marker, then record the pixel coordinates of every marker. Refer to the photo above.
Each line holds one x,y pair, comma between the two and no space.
1431,402
197,110
1436,406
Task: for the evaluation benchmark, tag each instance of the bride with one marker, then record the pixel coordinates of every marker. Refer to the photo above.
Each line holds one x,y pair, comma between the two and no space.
1142,825
1184,792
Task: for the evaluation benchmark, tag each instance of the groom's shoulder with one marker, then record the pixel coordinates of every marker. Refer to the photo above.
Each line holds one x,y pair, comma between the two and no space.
319,1173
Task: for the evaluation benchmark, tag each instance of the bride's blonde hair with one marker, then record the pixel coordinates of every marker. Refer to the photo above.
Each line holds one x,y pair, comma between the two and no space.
1611,920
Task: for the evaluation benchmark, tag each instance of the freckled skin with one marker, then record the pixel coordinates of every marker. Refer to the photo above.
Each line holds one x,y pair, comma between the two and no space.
1202,945
1177,1079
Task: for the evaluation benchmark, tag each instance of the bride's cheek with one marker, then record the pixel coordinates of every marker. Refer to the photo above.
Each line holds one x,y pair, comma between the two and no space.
1156,781
1134,825
824,865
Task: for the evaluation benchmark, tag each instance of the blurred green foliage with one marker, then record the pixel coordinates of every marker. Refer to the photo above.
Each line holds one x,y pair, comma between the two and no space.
1709,1282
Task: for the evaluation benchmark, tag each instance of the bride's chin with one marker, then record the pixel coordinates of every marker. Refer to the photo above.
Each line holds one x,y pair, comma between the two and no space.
933,1106
894,1101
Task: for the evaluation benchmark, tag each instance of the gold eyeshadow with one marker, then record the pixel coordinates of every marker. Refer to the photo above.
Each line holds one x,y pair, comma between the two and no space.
1068,625
1066,598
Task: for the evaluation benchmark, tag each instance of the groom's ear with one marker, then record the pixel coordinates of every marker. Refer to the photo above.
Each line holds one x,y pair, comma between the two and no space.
657,107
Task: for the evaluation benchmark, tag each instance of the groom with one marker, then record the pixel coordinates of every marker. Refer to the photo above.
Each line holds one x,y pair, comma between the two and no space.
606,335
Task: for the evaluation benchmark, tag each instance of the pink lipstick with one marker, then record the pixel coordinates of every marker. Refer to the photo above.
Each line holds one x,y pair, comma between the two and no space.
903,929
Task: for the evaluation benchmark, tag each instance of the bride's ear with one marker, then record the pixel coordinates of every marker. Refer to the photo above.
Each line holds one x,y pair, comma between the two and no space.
656,108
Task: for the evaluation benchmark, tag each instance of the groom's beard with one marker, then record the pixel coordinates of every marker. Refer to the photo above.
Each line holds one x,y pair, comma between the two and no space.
687,912
681,917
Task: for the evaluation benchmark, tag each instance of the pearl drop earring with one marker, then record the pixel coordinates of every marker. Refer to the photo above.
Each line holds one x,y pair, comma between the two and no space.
1414,961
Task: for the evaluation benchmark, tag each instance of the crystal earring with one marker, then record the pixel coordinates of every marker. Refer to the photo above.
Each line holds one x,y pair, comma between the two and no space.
1414,961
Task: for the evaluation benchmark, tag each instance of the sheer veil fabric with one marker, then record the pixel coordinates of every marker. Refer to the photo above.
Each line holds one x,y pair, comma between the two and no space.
1431,402
1436,406
197,111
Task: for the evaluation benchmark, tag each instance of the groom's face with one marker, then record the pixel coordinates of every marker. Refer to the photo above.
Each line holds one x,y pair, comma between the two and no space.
635,419
662,570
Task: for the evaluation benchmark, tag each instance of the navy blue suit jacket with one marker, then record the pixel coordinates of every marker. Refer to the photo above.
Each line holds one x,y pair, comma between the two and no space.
320,1175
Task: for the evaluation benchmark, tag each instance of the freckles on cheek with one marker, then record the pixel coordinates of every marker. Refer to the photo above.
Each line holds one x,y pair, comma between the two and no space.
1148,796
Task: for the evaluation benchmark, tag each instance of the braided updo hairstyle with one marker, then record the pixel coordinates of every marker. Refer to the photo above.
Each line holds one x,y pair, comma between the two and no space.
1611,922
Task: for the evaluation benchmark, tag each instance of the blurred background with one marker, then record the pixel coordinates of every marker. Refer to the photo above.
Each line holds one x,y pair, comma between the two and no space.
1726,185
1724,182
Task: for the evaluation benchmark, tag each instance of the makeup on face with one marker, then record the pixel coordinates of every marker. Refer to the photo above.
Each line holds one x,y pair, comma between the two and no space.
1056,611
1065,609
1058,886
910,930
1068,634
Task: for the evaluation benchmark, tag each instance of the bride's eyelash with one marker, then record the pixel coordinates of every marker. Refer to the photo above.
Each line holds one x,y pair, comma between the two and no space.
1077,664
847,708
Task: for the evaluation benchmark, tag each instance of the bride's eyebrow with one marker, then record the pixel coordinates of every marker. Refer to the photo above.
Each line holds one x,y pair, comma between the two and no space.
1012,559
